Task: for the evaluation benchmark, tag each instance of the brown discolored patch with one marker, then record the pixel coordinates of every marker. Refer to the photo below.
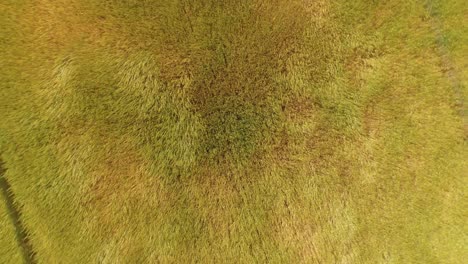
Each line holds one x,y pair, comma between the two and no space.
121,184
319,10
371,121
295,230
174,66
55,24
301,108
220,198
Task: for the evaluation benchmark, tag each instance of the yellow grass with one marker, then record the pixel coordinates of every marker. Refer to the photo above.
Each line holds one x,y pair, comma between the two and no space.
235,131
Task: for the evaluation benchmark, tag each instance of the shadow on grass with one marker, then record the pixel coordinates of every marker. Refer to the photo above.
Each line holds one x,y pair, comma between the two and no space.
13,212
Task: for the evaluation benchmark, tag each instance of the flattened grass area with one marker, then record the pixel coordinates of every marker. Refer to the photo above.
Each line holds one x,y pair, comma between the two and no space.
235,131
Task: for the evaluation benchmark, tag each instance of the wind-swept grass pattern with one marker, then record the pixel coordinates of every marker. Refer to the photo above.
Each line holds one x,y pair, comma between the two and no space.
234,131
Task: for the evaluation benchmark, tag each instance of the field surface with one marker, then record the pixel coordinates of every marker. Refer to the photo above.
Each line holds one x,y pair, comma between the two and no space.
282,131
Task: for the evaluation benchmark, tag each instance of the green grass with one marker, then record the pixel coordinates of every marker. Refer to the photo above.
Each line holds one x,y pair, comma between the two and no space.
234,131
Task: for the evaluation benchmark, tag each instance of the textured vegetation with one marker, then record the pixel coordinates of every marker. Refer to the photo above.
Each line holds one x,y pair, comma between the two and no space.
279,131
9,249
